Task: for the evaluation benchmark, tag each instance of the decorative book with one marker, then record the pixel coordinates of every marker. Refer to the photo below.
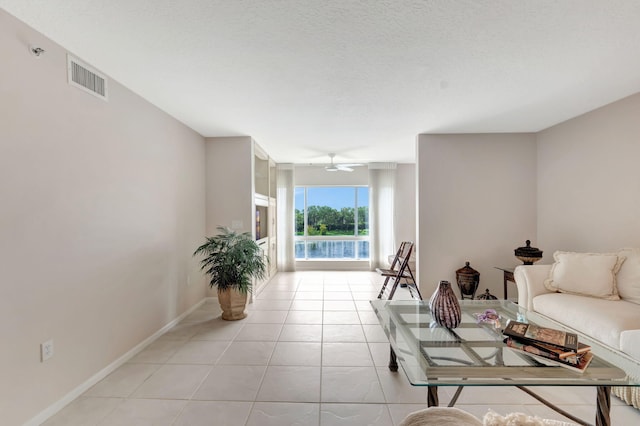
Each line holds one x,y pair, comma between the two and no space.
535,334
562,354
582,360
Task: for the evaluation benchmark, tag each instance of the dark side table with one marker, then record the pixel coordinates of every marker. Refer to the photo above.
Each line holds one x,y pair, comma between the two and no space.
507,276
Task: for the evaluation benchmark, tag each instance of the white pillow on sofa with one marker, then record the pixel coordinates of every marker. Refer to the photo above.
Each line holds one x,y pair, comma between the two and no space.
520,419
628,278
587,274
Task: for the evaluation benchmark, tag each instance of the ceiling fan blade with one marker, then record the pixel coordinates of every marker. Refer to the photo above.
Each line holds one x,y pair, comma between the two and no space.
343,167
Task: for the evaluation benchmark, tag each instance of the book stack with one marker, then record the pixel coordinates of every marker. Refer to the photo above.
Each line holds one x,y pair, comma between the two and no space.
556,346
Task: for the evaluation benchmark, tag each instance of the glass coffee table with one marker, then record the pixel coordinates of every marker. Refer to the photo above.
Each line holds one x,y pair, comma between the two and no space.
473,354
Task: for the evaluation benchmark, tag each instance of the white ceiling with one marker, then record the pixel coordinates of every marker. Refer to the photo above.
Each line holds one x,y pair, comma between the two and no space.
358,78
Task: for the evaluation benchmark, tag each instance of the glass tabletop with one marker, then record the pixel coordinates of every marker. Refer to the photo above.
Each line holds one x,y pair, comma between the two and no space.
474,353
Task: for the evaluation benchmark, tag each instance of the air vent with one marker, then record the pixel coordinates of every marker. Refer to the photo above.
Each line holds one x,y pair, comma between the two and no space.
84,77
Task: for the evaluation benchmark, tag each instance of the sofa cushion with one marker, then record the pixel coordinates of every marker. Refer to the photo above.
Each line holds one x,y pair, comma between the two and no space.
628,278
587,274
630,343
600,319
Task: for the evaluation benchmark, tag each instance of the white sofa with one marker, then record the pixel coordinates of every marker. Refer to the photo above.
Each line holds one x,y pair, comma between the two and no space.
611,316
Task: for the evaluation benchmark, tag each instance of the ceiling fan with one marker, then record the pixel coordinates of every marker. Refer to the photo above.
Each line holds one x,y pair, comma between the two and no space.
341,167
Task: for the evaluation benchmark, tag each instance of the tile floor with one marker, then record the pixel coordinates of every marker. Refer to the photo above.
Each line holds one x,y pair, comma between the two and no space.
310,352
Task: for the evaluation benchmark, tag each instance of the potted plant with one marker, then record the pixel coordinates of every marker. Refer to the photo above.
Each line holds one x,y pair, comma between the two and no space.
232,260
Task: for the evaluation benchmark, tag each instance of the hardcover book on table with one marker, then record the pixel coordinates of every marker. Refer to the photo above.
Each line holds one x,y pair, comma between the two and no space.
534,333
561,353
582,360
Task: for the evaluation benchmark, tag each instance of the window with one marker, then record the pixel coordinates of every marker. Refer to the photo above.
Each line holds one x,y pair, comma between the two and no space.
332,222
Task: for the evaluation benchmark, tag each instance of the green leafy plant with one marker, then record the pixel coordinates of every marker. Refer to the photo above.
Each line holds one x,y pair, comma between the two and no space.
232,260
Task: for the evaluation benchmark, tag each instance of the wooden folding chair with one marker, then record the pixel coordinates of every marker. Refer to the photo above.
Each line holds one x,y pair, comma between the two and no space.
399,273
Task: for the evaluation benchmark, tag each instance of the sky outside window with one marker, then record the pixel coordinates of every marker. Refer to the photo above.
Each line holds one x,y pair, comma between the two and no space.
335,196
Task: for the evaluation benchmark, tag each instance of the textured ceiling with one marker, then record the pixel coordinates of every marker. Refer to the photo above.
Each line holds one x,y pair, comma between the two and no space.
359,78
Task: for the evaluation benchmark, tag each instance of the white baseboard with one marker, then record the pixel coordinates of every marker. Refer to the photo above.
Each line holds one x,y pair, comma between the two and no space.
82,388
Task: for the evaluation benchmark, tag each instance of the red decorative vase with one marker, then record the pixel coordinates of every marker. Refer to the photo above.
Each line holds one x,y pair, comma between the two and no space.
445,309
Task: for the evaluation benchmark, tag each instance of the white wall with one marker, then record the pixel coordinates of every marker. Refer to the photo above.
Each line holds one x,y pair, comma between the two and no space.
102,205
589,181
405,203
315,175
229,184
476,203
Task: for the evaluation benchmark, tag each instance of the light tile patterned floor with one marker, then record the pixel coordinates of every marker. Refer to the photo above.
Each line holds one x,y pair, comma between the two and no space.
310,352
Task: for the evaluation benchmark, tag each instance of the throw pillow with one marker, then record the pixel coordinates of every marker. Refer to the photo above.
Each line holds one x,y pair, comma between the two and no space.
586,274
628,277
440,416
520,419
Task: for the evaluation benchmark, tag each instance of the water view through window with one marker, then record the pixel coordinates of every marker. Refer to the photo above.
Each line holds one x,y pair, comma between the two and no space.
332,222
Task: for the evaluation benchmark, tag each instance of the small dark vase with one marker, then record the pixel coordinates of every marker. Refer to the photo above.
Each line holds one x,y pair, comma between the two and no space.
487,296
444,306
468,280
529,255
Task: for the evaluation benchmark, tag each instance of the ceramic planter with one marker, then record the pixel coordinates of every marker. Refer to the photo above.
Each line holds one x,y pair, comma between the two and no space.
232,302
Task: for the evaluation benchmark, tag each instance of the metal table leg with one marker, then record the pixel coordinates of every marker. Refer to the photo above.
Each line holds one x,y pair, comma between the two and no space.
393,360
553,407
432,396
603,408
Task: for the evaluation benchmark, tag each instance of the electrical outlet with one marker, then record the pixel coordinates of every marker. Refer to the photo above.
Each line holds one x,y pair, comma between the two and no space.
46,350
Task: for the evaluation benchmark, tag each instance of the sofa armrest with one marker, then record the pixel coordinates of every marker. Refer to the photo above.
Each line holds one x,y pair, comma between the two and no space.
530,282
